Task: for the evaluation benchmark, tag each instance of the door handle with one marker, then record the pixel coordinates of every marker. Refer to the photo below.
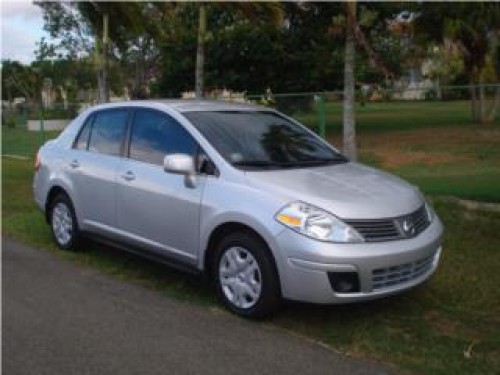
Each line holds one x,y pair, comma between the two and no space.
74,164
128,176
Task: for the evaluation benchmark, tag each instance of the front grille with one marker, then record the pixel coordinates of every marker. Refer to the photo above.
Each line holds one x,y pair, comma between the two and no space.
395,275
376,230
406,226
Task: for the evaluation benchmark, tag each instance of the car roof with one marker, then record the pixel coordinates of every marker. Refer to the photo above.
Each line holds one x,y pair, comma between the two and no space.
186,105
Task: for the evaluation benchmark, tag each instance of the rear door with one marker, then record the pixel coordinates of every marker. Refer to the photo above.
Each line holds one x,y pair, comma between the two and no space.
93,165
156,209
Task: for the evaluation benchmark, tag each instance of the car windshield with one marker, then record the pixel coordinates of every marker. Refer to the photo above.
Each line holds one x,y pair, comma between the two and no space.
262,140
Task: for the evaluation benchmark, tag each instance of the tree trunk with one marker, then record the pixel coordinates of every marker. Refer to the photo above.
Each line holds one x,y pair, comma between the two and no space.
494,107
105,23
439,94
64,96
101,54
481,105
200,53
101,87
349,120
473,100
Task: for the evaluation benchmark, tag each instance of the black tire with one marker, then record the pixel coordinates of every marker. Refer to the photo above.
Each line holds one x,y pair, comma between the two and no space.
62,201
270,294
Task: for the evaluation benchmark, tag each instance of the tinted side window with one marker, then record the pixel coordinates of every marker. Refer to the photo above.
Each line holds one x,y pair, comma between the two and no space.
155,135
83,138
108,131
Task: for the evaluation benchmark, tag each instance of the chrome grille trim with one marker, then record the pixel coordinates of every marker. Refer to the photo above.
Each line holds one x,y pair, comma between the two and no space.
377,230
394,275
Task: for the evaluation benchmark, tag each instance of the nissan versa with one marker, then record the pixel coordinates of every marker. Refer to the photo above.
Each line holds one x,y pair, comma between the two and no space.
244,194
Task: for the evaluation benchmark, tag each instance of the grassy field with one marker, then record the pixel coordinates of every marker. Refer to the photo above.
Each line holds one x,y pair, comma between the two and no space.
387,116
463,161
21,142
449,325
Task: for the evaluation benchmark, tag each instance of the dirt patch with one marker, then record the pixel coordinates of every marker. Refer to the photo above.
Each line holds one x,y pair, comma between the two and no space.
433,138
450,328
429,146
395,158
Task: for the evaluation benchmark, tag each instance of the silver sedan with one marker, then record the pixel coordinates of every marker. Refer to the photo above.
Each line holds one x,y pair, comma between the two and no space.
246,195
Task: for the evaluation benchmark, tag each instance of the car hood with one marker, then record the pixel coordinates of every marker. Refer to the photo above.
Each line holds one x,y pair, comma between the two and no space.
348,190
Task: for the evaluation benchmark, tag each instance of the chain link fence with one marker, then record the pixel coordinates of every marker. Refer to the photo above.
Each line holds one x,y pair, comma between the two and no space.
27,126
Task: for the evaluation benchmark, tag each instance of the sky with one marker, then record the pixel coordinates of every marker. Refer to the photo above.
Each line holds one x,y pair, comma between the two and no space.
22,27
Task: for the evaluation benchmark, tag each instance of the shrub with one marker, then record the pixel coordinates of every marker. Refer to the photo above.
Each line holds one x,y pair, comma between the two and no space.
8,119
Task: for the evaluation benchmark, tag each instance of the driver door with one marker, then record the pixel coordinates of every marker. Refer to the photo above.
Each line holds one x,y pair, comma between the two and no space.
155,209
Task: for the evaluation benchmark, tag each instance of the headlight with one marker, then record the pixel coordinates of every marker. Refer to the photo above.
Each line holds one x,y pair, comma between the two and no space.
316,223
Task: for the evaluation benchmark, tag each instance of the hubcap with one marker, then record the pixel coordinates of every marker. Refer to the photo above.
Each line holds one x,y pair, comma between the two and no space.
62,223
240,277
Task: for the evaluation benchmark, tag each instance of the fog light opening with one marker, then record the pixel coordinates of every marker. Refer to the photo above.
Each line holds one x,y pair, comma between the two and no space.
344,282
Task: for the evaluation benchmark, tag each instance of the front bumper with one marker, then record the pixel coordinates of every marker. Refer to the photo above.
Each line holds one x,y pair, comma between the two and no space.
305,264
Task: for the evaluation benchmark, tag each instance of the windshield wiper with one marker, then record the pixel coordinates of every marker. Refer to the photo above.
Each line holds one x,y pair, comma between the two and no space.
257,164
314,162
289,164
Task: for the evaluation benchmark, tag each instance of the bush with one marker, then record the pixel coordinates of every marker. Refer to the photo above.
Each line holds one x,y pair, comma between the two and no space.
8,118
10,121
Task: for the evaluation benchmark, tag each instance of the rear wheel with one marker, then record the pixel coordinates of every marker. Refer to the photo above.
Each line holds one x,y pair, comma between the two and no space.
245,276
63,223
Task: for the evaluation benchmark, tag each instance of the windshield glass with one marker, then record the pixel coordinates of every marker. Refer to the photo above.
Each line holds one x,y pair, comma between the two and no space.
259,140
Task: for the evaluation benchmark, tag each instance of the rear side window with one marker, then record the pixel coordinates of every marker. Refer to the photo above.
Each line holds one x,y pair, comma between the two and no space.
83,138
108,132
155,134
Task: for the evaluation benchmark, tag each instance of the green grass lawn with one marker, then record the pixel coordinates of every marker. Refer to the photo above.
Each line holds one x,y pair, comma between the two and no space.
480,183
386,116
462,161
21,142
426,330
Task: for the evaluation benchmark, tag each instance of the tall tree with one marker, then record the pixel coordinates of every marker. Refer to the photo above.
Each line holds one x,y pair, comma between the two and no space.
349,120
470,27
19,80
200,51
348,25
86,28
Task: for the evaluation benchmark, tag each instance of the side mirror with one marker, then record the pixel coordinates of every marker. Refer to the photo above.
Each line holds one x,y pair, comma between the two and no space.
179,163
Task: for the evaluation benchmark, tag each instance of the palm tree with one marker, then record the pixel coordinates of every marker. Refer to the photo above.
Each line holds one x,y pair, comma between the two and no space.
349,120
471,29
200,51
110,21
354,35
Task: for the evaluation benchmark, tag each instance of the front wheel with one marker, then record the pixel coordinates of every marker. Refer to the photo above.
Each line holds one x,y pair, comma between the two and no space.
245,275
63,223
